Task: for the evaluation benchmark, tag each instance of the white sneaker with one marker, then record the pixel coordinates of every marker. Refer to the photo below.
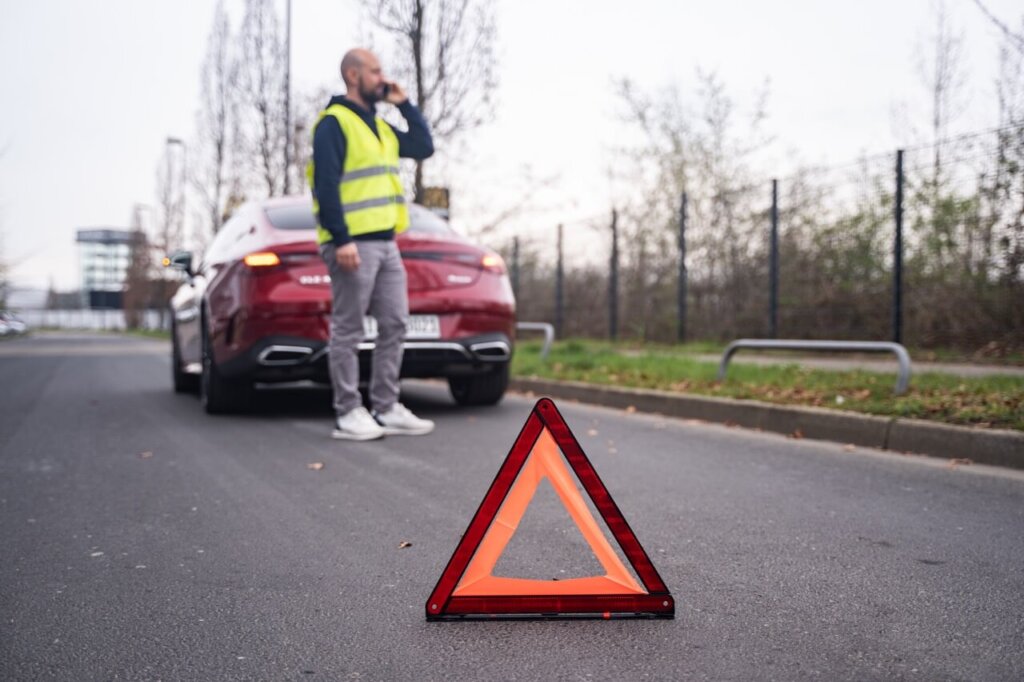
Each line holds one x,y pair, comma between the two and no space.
399,421
357,424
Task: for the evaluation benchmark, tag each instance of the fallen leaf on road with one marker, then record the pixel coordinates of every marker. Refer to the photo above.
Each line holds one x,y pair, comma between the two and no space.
591,432
631,409
315,466
954,463
145,455
797,433
849,448
403,544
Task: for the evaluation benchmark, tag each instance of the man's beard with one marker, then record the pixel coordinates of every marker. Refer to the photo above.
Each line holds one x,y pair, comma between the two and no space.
369,96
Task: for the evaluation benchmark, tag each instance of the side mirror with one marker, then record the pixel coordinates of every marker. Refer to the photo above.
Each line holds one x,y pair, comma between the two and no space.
180,260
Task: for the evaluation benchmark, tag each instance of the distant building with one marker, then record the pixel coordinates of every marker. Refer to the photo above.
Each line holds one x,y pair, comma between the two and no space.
103,256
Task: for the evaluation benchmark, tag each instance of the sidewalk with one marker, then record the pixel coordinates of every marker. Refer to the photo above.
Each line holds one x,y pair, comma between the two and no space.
881,363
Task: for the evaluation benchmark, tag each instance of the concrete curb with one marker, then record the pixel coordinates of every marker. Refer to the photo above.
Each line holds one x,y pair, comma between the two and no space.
985,446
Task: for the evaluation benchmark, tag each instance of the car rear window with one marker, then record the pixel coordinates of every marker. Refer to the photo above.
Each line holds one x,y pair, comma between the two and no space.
424,220
300,217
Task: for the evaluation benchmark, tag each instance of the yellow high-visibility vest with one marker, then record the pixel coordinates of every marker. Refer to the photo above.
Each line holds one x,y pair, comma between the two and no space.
371,192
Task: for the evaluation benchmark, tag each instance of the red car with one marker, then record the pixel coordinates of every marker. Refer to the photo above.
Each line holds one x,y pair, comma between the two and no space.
256,308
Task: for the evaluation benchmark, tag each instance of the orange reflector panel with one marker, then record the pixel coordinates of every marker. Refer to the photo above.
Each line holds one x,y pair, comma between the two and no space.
468,588
263,259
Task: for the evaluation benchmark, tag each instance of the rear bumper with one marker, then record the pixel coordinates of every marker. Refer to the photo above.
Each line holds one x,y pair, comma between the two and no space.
288,358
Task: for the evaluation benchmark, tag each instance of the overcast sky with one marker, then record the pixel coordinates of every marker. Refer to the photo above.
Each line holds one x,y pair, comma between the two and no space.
91,90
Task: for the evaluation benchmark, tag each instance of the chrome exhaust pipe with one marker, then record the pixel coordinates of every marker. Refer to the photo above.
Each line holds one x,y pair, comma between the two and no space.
491,351
278,356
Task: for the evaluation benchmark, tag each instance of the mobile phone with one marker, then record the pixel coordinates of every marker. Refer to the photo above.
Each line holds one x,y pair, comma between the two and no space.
386,90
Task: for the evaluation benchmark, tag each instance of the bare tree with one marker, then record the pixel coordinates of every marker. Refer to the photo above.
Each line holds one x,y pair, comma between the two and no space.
445,56
1015,39
262,77
704,149
939,215
309,101
168,229
170,201
940,65
215,121
137,286
1006,186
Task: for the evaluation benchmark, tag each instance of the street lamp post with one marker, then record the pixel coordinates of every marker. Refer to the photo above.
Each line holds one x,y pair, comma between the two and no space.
178,142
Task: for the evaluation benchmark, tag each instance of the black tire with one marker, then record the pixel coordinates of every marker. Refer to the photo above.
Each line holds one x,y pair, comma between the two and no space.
218,394
183,383
480,389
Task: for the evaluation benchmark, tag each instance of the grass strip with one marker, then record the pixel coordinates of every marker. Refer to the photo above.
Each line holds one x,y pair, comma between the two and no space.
996,401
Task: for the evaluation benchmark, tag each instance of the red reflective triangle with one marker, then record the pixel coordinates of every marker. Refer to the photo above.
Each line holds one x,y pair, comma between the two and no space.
467,589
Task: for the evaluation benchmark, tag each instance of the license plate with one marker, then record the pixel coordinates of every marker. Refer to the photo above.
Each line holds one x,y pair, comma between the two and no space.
418,327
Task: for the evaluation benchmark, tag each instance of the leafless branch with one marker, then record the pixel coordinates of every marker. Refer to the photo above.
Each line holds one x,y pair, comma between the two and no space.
1015,39
219,109
445,49
262,78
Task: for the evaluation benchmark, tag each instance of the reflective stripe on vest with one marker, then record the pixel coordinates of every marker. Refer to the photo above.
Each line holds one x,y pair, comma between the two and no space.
370,189
369,172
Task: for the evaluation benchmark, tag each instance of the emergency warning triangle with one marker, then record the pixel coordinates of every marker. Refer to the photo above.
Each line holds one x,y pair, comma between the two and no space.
467,587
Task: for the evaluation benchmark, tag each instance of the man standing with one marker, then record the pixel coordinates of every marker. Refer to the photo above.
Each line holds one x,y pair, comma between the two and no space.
360,207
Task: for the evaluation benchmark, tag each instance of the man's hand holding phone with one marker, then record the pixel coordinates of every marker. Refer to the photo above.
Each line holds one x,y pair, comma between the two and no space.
393,93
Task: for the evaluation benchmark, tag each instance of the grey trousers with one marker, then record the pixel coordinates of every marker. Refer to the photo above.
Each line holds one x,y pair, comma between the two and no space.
377,287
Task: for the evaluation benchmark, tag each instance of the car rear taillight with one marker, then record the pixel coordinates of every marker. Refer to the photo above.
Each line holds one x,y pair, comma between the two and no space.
492,262
262,259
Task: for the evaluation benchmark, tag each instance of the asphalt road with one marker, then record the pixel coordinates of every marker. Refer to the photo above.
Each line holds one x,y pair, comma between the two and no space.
142,539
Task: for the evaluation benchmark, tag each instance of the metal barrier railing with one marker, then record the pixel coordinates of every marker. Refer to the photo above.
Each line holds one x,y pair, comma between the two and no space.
549,334
902,379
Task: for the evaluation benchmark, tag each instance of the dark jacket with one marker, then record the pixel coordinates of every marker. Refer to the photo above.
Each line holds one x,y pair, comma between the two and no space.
329,160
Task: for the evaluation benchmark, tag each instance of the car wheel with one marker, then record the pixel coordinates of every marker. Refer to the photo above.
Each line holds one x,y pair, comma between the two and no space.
183,383
480,389
218,394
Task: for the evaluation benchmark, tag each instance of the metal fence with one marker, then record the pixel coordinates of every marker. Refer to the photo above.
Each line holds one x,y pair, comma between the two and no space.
923,246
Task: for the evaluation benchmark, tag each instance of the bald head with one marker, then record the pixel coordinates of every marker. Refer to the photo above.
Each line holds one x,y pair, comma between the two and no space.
364,81
354,62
